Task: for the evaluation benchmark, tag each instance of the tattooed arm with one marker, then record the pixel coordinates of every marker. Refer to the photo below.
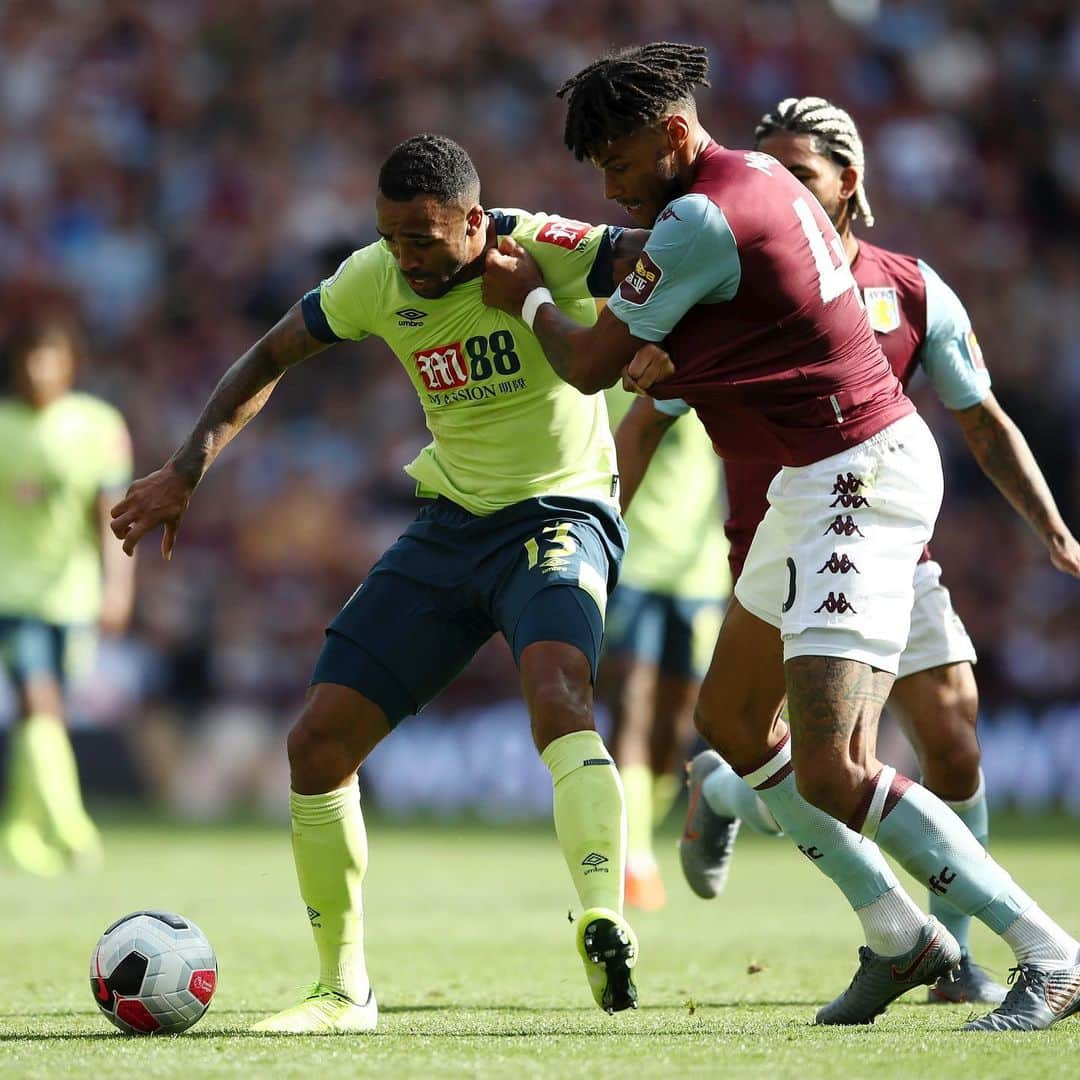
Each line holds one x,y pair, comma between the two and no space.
1003,454
589,358
162,497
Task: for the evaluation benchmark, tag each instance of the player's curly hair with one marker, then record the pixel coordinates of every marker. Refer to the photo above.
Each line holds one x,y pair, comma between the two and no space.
429,165
835,135
628,90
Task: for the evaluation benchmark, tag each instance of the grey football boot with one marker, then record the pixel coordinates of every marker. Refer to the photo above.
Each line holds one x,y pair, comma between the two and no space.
882,979
708,839
971,983
1038,998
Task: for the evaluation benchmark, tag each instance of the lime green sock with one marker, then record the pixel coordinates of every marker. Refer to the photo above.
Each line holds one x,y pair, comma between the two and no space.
21,802
330,849
665,790
22,836
52,779
637,782
590,817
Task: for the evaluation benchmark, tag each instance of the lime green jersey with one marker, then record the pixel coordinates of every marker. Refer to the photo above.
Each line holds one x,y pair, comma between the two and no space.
504,426
54,463
677,544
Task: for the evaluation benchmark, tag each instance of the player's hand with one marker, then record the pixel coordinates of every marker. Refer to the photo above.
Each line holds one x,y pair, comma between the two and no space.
1065,555
510,274
158,499
649,366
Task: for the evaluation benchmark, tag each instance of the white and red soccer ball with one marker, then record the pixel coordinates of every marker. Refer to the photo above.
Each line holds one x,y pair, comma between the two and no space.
153,973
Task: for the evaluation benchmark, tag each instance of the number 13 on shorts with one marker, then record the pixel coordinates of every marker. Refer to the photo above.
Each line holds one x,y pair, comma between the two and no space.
559,548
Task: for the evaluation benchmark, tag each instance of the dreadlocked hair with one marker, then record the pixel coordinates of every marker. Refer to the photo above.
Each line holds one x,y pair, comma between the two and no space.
836,135
628,90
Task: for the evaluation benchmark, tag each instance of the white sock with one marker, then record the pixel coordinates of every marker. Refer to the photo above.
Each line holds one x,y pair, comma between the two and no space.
892,923
1037,939
728,795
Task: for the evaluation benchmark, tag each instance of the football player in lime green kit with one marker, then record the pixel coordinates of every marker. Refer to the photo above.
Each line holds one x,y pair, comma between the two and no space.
64,456
522,536
662,623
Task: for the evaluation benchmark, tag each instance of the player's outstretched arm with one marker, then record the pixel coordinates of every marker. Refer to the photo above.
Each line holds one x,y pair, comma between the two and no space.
589,358
1002,452
162,497
117,574
636,440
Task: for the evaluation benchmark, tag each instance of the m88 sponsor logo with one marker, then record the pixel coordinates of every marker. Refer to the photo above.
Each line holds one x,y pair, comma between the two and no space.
447,367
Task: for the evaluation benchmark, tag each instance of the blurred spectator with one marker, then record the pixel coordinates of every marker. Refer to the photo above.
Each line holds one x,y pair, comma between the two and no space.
183,172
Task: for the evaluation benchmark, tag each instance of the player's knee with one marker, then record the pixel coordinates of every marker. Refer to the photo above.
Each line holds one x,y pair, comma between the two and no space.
950,768
559,707
319,759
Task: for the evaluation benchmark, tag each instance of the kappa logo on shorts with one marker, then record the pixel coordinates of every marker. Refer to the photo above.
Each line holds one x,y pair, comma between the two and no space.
838,565
843,526
846,491
564,232
638,285
836,604
443,367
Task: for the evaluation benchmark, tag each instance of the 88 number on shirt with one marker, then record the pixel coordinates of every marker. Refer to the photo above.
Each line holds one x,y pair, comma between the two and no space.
493,353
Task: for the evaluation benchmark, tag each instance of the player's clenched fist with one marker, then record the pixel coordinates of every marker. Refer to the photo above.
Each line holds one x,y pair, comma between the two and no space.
510,274
158,499
649,366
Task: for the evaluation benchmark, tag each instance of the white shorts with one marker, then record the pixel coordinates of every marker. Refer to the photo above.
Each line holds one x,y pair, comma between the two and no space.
937,635
833,561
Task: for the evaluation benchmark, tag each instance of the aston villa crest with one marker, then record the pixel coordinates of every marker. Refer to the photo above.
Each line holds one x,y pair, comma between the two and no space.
882,308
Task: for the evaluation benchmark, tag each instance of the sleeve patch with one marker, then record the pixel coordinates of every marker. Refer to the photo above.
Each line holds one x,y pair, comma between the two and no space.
974,350
639,284
564,232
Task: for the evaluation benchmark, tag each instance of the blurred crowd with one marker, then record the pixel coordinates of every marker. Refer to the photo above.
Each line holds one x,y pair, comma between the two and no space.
180,173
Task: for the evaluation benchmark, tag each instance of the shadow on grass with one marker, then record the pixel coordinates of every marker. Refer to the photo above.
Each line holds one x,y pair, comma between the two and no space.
208,1034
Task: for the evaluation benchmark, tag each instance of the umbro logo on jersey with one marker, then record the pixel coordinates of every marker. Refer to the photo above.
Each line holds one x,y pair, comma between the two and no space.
410,316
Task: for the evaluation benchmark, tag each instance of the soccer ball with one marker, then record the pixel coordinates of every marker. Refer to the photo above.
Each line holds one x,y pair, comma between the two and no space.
153,973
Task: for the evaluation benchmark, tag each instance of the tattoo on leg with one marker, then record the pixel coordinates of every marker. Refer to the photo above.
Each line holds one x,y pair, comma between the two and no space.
831,699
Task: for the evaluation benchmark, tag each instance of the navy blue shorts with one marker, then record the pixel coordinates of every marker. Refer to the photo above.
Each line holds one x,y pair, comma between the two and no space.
677,634
32,647
540,570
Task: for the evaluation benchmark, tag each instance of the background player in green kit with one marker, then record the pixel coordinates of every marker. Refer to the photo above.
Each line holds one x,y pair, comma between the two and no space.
662,623
64,456
522,537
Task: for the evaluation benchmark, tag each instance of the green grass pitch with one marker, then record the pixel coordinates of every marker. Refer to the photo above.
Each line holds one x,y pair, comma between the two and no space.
472,958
